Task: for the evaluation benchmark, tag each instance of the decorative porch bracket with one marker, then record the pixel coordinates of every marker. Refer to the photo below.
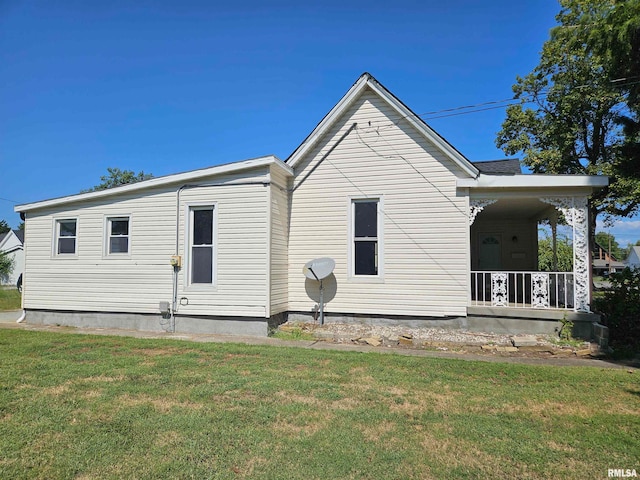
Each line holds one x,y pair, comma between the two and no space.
576,213
477,205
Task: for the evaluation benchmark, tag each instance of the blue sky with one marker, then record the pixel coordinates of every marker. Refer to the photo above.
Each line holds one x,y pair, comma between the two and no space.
168,86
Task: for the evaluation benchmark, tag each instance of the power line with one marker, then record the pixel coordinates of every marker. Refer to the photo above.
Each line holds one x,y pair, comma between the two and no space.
472,111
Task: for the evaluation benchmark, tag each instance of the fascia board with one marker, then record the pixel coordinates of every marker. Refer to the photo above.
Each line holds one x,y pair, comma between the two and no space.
534,181
178,178
287,170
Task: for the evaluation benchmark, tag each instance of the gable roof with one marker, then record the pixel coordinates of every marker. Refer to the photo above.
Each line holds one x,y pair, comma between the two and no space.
180,178
9,245
634,249
365,81
597,245
507,166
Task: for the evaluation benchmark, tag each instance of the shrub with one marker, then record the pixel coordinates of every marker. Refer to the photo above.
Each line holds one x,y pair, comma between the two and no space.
620,307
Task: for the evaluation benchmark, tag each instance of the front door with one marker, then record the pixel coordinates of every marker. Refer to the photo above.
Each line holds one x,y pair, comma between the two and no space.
489,251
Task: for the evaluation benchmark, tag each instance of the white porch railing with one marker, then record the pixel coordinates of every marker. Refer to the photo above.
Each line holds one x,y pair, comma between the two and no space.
523,289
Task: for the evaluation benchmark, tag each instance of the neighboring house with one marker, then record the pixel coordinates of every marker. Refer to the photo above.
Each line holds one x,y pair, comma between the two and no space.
604,263
633,259
12,243
419,235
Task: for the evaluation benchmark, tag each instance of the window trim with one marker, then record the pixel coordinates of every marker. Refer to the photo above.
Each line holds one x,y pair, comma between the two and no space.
107,236
188,215
351,257
56,237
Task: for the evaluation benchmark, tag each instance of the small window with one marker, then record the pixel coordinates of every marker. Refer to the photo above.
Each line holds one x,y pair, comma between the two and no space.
365,237
118,235
66,235
201,245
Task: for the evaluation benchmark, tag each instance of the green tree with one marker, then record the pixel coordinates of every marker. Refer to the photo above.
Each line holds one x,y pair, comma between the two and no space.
117,177
564,251
6,265
573,124
616,38
618,252
4,227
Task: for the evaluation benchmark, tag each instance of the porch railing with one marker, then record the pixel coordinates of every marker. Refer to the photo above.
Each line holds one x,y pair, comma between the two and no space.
523,289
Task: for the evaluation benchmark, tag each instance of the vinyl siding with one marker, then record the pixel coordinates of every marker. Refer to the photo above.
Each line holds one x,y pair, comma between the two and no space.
425,227
92,281
279,258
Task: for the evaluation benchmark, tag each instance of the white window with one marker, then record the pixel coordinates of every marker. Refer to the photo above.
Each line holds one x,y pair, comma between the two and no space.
117,235
201,237
366,237
66,236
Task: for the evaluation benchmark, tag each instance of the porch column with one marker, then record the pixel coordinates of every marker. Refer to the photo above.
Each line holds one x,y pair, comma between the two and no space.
576,213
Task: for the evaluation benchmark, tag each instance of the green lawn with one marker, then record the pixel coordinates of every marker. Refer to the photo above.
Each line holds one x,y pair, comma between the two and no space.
10,299
78,406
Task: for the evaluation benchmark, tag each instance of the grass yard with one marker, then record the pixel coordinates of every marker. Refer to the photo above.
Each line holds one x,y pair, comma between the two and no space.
83,407
10,299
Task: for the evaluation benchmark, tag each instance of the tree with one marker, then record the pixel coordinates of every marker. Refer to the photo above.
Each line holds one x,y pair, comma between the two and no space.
617,38
573,126
618,252
4,227
6,265
564,251
117,177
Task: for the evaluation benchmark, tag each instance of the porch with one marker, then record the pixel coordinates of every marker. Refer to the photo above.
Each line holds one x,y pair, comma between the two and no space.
511,289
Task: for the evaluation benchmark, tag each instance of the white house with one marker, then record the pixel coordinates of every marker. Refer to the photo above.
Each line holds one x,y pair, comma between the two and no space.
419,234
633,259
11,243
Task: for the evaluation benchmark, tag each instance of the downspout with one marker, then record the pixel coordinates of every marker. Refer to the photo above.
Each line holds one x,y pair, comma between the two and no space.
176,267
23,217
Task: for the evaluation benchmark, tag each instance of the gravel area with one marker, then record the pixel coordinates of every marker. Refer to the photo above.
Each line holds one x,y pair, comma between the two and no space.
420,334
340,332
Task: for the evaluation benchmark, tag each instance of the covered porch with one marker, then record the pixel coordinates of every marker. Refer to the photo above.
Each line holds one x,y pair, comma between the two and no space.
508,289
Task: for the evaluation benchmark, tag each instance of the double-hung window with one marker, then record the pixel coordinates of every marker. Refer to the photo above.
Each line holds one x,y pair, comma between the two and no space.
117,235
366,239
201,237
66,236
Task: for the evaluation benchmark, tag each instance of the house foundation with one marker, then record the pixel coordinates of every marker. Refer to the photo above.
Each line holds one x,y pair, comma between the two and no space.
151,322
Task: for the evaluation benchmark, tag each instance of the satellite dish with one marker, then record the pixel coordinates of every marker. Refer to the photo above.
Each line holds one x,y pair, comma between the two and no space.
319,268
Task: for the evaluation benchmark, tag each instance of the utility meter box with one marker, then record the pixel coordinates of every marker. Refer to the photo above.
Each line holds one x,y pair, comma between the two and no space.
176,261
164,307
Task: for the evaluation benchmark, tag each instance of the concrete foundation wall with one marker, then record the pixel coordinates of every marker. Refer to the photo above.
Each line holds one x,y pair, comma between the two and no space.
479,320
151,322
534,321
488,320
